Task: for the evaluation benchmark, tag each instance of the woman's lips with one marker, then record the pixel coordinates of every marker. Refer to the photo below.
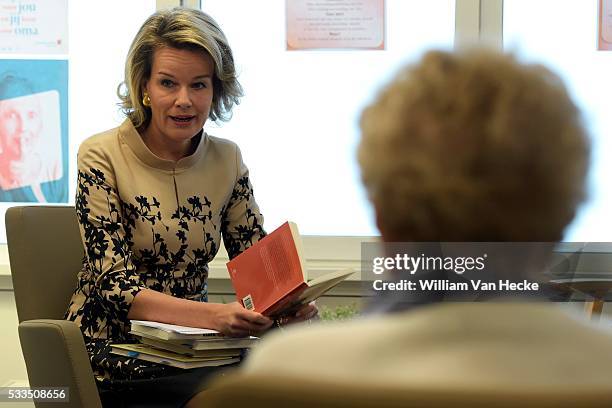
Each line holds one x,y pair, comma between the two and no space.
182,120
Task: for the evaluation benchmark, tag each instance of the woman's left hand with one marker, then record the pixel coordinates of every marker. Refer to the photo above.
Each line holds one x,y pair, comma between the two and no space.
304,313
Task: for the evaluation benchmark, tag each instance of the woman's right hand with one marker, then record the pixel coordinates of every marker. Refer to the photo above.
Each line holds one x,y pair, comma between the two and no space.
234,320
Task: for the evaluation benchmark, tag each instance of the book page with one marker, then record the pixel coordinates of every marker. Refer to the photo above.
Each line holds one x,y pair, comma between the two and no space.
175,328
311,291
317,287
297,240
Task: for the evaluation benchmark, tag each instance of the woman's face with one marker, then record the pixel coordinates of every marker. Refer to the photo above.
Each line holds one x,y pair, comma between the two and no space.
20,125
181,92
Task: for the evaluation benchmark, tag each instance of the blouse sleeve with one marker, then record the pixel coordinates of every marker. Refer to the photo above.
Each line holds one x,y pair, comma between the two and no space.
242,223
106,235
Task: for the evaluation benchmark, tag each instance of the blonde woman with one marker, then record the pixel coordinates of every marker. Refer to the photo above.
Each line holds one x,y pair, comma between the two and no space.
154,198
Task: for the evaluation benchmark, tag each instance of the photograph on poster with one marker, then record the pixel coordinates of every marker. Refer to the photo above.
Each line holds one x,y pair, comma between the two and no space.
336,24
30,140
33,131
34,26
604,39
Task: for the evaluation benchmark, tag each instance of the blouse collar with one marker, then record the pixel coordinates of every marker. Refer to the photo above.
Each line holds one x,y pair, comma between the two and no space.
133,139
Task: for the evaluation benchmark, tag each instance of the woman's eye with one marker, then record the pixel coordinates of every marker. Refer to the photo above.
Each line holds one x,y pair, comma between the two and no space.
199,85
167,83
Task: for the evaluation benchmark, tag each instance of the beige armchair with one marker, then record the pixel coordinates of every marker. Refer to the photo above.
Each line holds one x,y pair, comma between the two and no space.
45,253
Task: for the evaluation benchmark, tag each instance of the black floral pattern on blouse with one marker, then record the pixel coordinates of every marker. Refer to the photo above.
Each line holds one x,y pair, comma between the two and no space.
241,236
112,271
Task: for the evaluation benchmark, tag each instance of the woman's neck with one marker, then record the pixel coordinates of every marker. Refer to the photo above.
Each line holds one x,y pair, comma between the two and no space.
165,149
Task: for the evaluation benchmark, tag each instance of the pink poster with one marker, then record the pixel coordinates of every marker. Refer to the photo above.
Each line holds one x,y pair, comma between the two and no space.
338,24
604,39
34,26
33,131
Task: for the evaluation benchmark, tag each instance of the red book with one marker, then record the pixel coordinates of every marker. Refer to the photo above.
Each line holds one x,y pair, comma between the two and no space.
270,276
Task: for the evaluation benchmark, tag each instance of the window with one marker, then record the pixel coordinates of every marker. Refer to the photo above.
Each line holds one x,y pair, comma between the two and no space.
297,125
563,36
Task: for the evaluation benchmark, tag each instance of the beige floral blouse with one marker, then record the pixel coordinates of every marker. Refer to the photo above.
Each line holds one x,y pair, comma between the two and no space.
152,223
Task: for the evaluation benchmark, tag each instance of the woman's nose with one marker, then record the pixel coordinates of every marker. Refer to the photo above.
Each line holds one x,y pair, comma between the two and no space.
183,99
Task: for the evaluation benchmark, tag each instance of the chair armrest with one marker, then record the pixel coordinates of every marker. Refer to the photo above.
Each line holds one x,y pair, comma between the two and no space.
55,356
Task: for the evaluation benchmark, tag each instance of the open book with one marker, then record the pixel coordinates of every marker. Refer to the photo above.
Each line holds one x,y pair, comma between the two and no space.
269,277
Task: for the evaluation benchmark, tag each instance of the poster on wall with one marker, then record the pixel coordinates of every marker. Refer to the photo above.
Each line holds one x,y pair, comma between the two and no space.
604,39
34,131
337,24
34,26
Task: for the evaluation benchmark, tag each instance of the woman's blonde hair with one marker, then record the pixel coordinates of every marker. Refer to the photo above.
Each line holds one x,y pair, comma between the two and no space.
474,146
181,28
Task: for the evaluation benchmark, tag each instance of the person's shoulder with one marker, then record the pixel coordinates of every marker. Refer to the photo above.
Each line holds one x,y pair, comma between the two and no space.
100,140
221,145
313,342
98,150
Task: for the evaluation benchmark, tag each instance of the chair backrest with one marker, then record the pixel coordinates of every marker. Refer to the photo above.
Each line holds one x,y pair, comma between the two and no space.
45,252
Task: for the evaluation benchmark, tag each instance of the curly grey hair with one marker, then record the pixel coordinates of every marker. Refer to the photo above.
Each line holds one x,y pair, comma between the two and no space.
474,146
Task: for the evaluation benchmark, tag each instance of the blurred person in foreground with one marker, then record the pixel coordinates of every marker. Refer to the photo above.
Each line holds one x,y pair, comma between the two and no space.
467,146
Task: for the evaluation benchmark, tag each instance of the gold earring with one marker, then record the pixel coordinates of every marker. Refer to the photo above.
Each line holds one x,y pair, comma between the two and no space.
146,99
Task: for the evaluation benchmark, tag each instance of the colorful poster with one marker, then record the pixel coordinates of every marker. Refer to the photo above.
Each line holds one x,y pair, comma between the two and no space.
34,26
604,39
338,24
34,131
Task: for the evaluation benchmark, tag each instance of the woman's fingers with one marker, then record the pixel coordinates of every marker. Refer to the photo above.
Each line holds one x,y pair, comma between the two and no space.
308,311
245,328
249,323
257,318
